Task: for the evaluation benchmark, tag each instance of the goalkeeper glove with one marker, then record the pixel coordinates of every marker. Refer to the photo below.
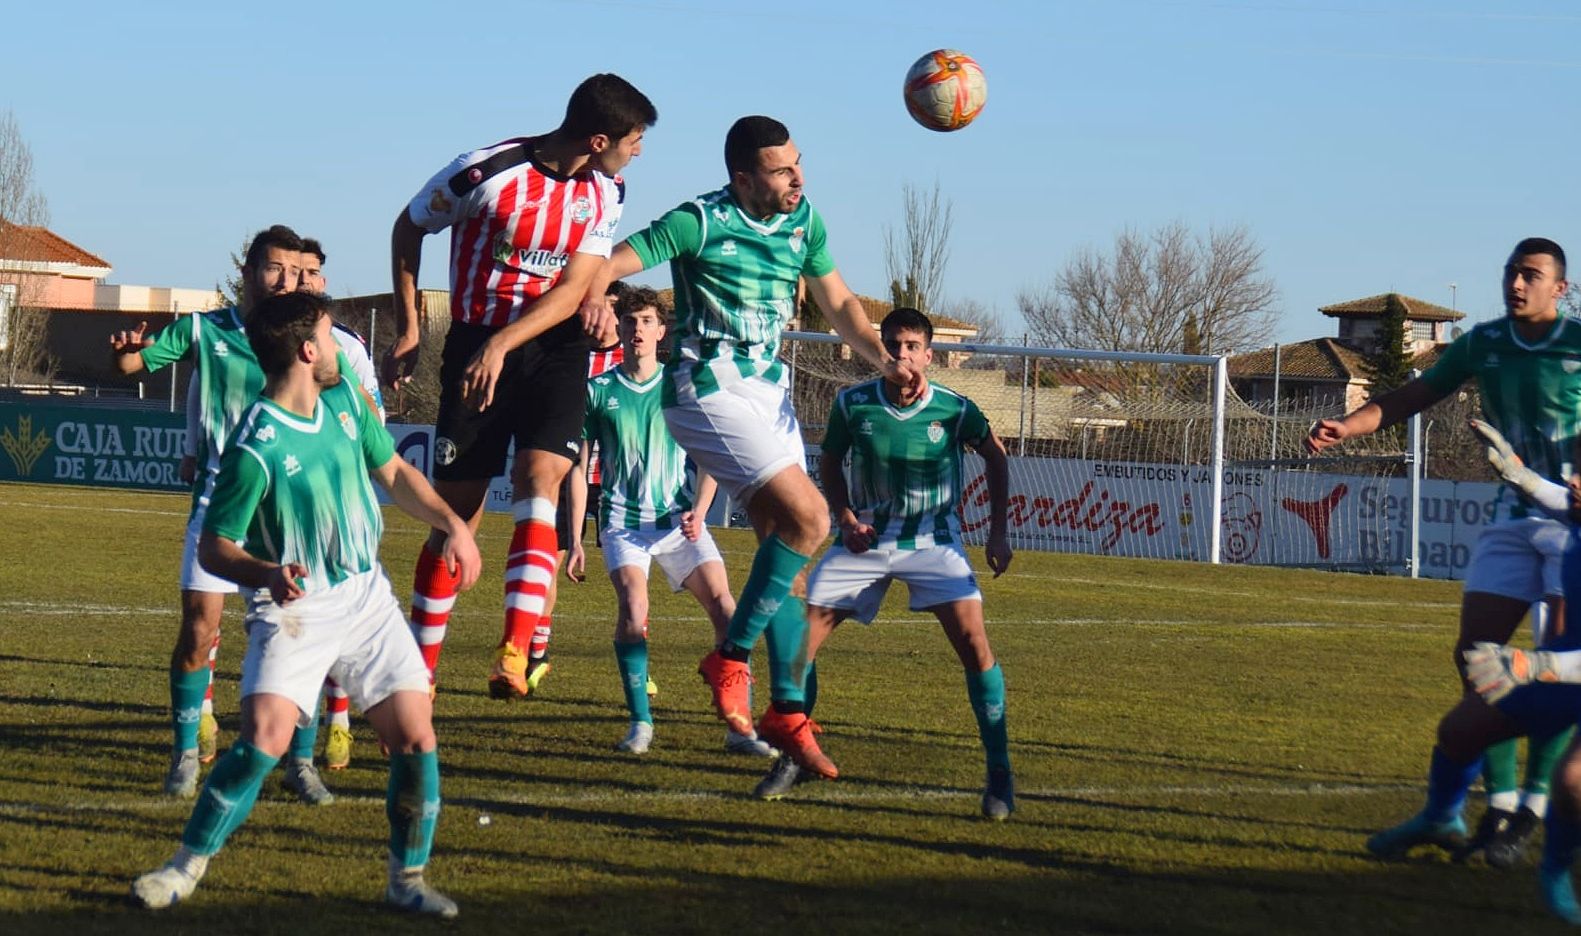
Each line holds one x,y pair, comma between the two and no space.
1554,499
1495,670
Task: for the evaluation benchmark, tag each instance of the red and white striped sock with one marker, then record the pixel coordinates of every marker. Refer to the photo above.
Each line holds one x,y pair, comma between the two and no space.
338,706
433,595
529,570
540,638
208,694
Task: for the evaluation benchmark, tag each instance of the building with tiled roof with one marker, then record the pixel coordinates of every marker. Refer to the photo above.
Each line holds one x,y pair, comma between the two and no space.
41,269
1337,371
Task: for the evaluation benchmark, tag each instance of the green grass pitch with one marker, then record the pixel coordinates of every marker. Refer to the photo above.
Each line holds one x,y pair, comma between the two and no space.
1197,750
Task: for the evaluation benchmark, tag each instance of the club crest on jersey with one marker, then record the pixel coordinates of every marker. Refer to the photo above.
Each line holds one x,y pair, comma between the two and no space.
292,466
866,428
581,210
612,404
438,203
796,239
266,434
221,349
935,432
727,249
349,425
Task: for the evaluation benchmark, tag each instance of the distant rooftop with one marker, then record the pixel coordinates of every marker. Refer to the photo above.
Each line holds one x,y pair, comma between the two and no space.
1372,307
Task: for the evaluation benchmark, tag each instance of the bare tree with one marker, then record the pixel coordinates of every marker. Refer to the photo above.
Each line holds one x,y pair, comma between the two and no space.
1155,292
23,324
915,256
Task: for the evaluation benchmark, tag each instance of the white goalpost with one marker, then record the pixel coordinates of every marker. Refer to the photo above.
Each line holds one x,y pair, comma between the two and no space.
1155,456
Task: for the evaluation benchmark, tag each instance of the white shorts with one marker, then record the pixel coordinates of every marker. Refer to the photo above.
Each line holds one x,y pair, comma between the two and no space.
1519,559
193,576
354,631
743,434
856,582
677,555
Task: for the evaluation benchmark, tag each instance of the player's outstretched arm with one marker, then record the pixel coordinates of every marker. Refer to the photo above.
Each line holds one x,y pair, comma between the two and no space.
596,311
844,311
1495,670
406,255
996,464
413,494
1375,414
226,559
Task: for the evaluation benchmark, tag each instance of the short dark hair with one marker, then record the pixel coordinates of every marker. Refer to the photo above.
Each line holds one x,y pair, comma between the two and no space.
312,246
1541,245
607,104
280,325
278,236
615,288
747,136
635,299
909,319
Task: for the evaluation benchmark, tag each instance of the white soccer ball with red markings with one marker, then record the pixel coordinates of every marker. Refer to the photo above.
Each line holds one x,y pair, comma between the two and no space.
945,90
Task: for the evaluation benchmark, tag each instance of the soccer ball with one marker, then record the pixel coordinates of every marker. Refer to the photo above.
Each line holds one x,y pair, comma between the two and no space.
945,90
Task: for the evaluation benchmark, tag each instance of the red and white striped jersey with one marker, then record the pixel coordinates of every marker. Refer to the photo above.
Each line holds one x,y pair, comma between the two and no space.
514,225
600,360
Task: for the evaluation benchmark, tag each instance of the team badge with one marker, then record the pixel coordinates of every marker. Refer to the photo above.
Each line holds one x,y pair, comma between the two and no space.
796,239
474,175
348,424
727,249
935,432
221,349
866,428
438,203
581,210
444,451
292,466
612,404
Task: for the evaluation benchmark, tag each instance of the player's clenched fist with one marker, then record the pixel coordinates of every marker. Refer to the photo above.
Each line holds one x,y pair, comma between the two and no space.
1324,433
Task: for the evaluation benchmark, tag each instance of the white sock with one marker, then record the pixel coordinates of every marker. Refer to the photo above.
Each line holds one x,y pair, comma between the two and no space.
1508,801
1536,802
190,863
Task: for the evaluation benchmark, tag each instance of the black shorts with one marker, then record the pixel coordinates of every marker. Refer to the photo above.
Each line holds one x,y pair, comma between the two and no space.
539,402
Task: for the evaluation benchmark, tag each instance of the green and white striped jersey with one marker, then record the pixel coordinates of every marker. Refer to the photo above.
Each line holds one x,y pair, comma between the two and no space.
229,378
735,286
905,475
294,489
647,482
1531,392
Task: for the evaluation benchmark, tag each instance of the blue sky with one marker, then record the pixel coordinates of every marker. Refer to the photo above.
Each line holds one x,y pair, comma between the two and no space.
1368,145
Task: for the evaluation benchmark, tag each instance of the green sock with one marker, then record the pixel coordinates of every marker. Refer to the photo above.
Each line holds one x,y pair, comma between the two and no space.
412,804
1499,765
303,739
810,689
787,643
987,692
227,797
1543,752
774,567
632,658
186,705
